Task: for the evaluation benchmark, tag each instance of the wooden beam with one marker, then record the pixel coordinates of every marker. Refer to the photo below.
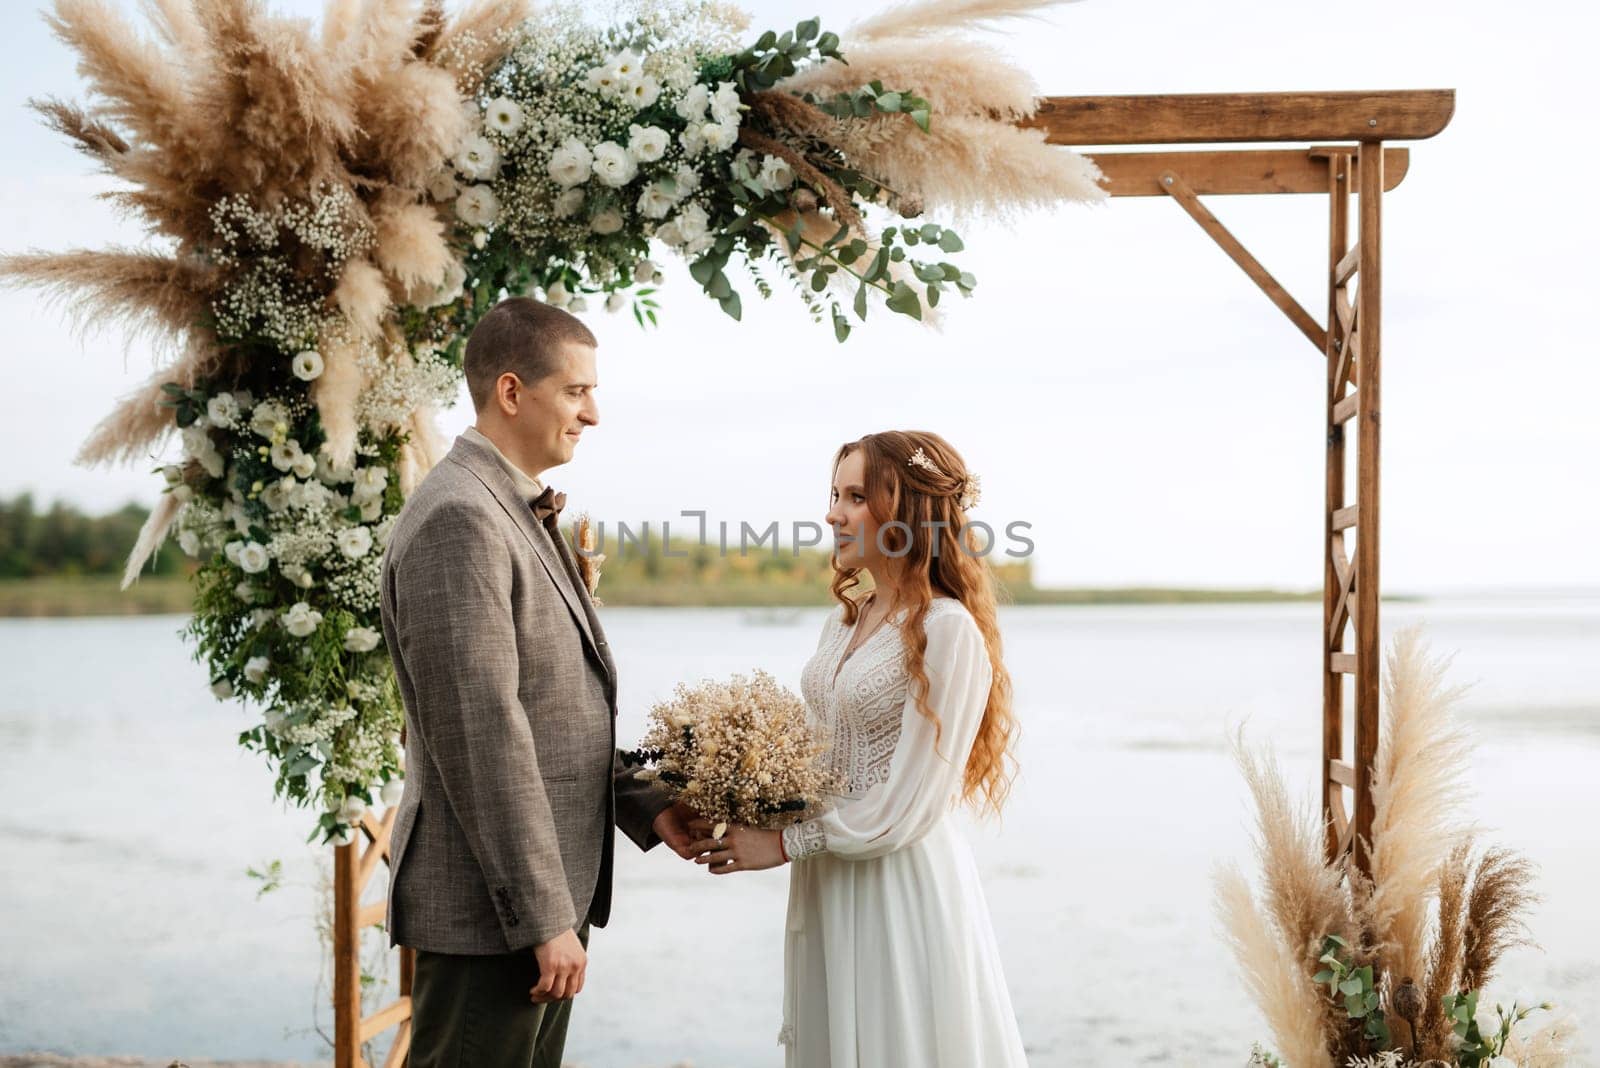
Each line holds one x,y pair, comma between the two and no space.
1195,118
1370,296
1345,518
346,959
385,1018
1339,179
1184,195
1232,172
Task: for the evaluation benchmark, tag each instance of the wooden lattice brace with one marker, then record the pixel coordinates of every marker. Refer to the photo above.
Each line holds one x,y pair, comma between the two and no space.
353,868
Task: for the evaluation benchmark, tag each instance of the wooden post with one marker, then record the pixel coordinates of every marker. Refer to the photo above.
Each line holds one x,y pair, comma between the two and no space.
1334,556
1370,295
346,957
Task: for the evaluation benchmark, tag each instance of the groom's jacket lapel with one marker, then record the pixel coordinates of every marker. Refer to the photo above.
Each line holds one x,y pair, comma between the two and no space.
488,471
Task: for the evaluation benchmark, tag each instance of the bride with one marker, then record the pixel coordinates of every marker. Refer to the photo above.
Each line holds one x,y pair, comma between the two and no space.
889,955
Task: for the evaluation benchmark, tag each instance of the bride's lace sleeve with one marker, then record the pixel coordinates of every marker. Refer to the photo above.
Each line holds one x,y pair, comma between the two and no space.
923,782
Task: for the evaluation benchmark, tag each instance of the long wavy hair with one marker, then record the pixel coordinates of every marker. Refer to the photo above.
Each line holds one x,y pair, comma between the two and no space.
920,499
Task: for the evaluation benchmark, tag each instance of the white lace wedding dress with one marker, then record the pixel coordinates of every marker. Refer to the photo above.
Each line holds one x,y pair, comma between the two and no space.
890,958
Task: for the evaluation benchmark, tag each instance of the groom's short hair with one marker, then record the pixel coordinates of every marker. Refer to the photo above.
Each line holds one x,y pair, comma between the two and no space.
520,335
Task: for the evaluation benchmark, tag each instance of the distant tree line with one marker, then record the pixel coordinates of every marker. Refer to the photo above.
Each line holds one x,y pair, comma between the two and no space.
63,541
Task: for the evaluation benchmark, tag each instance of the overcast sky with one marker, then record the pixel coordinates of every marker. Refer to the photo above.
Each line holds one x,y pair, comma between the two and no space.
1117,381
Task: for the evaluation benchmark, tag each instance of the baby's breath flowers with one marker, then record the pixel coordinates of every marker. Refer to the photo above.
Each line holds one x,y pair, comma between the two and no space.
740,751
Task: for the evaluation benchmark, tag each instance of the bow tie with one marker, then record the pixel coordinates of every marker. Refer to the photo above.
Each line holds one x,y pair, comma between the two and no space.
547,507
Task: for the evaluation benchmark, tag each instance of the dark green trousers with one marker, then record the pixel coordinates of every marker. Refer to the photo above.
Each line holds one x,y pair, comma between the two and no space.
474,1012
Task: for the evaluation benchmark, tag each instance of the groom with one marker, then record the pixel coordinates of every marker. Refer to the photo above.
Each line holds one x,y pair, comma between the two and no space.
502,848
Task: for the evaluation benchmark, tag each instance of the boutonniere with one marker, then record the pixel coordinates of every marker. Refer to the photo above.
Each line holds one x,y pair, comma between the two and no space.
589,561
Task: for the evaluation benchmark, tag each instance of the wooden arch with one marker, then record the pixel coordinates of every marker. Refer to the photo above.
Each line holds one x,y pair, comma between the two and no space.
1344,150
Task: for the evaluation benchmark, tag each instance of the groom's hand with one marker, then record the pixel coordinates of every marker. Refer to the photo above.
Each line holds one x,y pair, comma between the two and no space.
562,964
672,826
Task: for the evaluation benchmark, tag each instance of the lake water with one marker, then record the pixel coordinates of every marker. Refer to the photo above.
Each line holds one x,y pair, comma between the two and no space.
128,925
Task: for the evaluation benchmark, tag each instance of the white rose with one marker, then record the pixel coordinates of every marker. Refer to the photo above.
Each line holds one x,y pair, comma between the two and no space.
606,222
478,206
278,495
668,232
603,79
301,620
478,159
646,144
269,419
657,199
443,186
557,296
369,483
567,203
570,164
776,173
692,223
231,552
189,542
361,640
305,466
222,410
222,689
504,115
245,592
213,464
285,454
691,107
612,164
579,305
743,166
371,509
351,808
253,558
447,291
692,139
255,669
260,617
330,472
307,366
687,180
616,301
392,792
719,136
645,272
725,104
354,542
196,442
274,720
643,92
628,64
384,529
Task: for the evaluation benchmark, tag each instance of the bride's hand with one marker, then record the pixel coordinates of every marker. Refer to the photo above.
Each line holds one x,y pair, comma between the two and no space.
740,849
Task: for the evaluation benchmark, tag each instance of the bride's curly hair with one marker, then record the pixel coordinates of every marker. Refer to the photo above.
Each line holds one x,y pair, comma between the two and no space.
920,498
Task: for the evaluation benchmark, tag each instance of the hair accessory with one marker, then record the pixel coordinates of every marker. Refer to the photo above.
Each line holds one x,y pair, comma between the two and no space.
971,485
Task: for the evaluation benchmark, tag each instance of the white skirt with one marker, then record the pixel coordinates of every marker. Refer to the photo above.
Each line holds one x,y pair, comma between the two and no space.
892,962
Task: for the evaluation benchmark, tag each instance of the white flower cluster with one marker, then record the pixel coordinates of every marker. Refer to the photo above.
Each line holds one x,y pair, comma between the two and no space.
400,381
612,135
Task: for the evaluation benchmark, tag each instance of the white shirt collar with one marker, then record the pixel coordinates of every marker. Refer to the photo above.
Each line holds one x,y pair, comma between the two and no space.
527,486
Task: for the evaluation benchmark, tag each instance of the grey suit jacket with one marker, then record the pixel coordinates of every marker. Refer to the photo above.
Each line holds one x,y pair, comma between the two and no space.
504,835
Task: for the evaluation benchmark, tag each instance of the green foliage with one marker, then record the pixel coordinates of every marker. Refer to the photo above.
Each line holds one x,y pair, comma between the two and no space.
874,98
776,56
63,541
269,876
1356,987
1476,1048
